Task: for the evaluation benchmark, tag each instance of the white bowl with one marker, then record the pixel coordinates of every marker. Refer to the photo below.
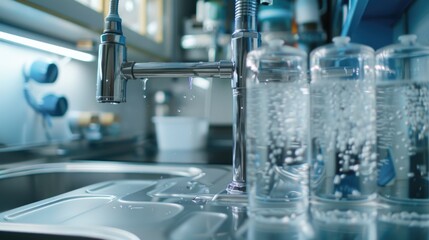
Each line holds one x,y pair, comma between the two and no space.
181,133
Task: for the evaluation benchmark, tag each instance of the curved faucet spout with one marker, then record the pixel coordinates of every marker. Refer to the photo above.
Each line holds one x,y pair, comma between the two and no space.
222,69
114,70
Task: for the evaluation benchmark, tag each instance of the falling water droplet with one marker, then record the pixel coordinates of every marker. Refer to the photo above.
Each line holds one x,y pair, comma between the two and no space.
198,200
190,82
144,81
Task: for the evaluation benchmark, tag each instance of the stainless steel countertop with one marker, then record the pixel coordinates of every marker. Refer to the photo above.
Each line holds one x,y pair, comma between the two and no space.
45,180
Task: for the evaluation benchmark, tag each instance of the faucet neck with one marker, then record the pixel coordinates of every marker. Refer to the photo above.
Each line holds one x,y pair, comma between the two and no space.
245,15
112,22
244,39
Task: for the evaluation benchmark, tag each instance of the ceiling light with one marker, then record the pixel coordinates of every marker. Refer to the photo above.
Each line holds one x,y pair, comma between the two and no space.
78,55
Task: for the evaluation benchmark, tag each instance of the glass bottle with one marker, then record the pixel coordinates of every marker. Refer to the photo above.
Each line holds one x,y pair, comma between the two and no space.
277,131
402,72
343,121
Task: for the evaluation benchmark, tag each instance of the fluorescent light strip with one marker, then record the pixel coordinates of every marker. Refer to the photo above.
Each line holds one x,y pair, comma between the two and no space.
82,56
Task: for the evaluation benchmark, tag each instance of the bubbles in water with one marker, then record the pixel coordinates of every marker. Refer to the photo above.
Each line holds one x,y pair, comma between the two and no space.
338,194
344,138
337,179
414,219
277,136
359,216
293,195
300,151
190,185
355,192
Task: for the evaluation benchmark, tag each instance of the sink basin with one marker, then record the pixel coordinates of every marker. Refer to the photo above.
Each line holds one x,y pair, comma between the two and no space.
24,185
45,201
12,231
129,206
129,201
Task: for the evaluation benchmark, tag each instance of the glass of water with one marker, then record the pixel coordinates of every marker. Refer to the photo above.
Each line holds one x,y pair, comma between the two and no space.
277,123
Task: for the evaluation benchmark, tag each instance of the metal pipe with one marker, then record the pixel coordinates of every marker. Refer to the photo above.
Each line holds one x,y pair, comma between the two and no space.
112,53
222,69
245,15
244,39
111,86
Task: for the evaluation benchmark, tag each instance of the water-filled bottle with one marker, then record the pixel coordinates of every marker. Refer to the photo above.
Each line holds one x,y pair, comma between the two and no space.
277,123
402,72
343,121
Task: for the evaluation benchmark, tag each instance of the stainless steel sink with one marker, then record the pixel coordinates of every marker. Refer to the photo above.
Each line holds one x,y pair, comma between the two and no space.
27,184
129,201
148,201
13,231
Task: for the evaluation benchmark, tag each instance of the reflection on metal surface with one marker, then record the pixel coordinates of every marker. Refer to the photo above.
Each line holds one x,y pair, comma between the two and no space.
101,167
134,206
27,184
43,232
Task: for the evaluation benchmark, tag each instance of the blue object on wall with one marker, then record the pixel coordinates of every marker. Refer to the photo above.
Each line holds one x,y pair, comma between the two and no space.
44,72
371,22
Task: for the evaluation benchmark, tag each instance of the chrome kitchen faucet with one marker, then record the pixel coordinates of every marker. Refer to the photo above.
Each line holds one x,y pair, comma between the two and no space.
114,70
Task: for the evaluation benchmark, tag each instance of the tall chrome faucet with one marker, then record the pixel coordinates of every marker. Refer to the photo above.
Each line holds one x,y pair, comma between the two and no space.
114,70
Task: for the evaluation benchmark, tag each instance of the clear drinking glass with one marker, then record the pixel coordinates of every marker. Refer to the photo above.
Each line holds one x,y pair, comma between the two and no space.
343,121
277,123
402,72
